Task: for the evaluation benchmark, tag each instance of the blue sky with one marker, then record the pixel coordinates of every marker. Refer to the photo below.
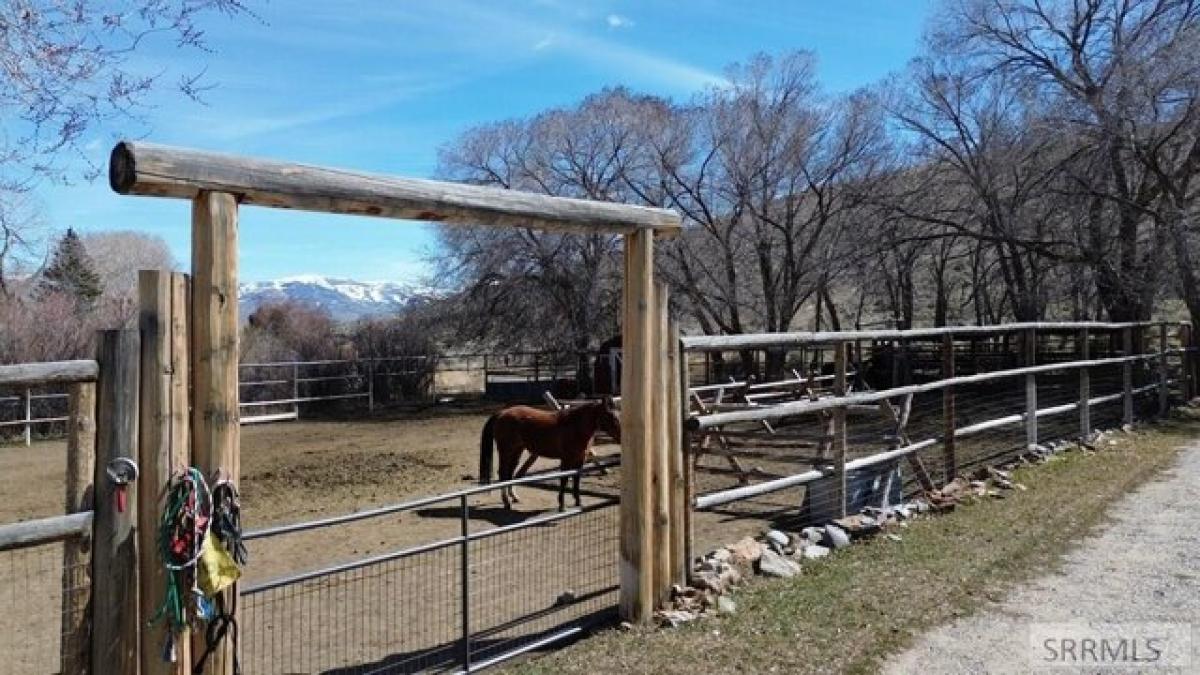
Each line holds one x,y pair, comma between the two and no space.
380,85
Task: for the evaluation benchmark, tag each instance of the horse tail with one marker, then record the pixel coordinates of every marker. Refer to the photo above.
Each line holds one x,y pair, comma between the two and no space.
485,451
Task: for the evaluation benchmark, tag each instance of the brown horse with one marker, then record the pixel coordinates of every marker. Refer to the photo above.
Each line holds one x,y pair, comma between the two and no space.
565,435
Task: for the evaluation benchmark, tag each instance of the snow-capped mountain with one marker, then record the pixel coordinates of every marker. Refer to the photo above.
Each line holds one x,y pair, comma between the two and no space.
345,299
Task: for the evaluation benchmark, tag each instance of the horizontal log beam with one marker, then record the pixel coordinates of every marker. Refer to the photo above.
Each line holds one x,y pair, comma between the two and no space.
724,343
45,530
138,168
52,372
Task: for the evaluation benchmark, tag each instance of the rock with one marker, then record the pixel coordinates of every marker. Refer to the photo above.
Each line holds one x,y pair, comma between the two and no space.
895,537
726,605
778,538
903,511
813,535
814,551
720,555
709,581
730,576
772,564
858,525
745,552
999,474
674,617
836,537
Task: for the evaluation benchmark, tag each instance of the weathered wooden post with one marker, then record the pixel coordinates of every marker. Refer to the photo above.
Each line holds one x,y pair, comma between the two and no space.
1083,350
115,627
1127,377
1029,345
839,428
661,478
1163,393
949,421
676,410
214,358
162,450
75,651
637,437
1185,342
689,465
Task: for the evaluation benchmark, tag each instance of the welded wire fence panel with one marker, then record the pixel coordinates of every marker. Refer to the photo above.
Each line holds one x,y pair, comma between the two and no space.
42,602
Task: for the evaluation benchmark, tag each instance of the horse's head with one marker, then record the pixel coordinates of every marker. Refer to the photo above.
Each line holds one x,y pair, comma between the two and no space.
608,419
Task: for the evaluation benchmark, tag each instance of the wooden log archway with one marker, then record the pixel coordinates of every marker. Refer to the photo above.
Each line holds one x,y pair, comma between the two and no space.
218,185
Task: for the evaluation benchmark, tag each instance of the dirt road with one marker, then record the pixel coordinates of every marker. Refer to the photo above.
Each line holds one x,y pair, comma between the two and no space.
1143,568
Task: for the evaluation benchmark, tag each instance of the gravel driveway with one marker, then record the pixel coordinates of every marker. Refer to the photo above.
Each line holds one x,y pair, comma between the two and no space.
1143,567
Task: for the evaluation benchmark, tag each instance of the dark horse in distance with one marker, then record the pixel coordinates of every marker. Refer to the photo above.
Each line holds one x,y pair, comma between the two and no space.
565,435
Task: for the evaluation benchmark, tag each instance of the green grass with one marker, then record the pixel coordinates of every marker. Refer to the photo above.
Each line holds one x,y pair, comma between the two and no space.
846,613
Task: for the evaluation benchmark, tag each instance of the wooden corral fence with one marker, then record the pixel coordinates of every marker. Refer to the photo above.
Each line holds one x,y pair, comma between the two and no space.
194,342
811,411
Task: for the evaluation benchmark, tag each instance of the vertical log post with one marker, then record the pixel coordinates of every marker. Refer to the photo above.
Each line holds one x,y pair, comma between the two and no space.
676,410
689,465
159,455
214,359
1083,349
637,437
661,478
839,427
1163,393
1029,347
949,423
115,626
1127,377
296,390
75,651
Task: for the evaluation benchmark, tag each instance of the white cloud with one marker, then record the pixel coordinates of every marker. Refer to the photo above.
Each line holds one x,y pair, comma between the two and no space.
618,21
544,43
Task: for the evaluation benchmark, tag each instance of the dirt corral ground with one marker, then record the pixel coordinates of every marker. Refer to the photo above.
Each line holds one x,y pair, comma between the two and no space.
299,471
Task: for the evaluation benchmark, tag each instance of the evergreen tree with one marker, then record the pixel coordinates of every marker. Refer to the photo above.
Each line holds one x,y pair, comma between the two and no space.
71,271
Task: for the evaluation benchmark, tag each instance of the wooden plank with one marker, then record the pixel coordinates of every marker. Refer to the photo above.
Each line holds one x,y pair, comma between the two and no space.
636,596
839,427
41,531
156,463
1083,349
75,647
214,359
676,410
53,372
689,467
163,171
114,553
1029,356
661,477
949,421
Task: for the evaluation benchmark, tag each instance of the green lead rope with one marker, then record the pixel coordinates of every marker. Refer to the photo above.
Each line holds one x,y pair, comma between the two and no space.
181,531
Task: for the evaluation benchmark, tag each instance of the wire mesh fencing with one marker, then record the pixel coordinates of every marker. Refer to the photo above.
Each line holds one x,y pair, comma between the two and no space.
490,585
44,592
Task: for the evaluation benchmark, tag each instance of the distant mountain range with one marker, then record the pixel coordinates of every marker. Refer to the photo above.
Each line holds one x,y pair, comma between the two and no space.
345,299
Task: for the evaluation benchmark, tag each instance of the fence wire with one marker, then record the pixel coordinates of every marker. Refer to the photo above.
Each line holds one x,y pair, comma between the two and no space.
43,622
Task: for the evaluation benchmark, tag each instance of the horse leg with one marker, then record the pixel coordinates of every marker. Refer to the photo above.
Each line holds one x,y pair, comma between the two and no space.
562,494
508,462
575,487
521,473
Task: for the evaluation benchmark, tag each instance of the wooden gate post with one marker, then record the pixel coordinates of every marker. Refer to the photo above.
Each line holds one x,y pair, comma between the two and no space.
1127,377
636,596
162,449
214,359
75,652
1083,349
685,451
839,427
675,414
1185,342
949,421
114,555
661,478
1029,347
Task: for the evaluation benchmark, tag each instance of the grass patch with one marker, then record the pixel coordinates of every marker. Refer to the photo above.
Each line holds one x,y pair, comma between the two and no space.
847,612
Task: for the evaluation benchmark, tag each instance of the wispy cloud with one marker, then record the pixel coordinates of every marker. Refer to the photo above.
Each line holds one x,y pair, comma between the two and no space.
618,21
544,43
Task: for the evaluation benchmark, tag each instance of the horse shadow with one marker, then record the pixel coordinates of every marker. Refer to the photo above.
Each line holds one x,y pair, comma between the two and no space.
495,515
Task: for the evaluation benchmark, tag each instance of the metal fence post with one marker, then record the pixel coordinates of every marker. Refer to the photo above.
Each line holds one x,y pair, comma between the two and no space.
1030,357
1163,394
465,581
296,390
1127,377
1085,386
370,385
28,401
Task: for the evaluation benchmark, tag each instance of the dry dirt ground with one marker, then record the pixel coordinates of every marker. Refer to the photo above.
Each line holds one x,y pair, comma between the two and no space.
298,471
